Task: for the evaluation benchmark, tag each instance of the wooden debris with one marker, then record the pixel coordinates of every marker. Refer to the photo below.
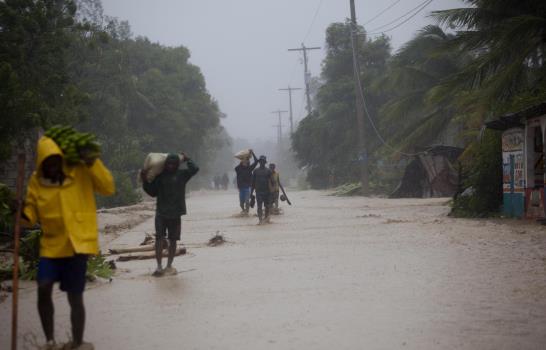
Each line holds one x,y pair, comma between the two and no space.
147,248
148,239
217,240
150,255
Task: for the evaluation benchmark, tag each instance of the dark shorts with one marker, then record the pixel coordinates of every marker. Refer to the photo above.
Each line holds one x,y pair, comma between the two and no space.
69,271
264,198
168,227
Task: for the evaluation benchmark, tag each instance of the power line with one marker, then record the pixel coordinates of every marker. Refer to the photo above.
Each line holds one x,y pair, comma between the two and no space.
279,126
405,21
313,21
293,70
365,107
418,8
290,89
380,13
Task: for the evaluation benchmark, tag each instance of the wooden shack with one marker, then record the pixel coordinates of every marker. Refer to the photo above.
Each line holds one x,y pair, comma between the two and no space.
523,149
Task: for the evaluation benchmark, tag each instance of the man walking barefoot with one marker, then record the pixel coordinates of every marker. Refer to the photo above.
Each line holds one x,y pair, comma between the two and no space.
61,198
275,188
262,183
169,188
244,181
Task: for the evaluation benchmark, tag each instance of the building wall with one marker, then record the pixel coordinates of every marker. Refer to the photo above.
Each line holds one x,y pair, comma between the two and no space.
535,170
514,172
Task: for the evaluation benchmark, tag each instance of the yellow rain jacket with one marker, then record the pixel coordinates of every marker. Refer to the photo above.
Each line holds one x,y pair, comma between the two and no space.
274,185
67,213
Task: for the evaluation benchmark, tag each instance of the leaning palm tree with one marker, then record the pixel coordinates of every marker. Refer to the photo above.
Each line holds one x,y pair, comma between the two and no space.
416,74
508,41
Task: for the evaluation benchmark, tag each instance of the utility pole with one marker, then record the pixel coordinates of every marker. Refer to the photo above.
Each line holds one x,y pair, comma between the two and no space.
306,72
290,89
363,151
279,126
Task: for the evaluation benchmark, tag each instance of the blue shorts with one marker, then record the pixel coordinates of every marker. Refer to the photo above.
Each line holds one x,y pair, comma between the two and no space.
244,194
69,271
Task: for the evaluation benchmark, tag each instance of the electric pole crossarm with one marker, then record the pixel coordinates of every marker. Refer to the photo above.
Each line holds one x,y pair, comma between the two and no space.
306,72
290,89
279,132
306,48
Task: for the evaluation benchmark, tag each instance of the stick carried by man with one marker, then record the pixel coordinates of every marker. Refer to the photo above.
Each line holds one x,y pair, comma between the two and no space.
169,187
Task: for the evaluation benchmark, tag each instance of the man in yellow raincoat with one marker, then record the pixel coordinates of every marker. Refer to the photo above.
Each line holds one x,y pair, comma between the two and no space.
61,198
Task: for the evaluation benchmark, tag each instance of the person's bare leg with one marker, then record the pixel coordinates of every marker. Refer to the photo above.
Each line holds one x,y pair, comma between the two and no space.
260,210
267,205
172,252
158,255
77,317
46,309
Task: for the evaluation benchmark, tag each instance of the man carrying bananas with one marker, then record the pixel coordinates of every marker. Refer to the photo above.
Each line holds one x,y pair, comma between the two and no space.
61,197
169,188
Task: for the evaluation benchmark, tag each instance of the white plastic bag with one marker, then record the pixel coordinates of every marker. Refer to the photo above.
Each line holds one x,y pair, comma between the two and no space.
154,165
243,154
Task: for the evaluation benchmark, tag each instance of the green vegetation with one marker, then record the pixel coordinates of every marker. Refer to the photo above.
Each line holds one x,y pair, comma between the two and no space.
439,88
6,215
326,141
482,174
65,62
29,256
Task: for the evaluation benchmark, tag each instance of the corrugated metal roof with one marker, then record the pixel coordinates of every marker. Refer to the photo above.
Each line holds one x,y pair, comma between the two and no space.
516,119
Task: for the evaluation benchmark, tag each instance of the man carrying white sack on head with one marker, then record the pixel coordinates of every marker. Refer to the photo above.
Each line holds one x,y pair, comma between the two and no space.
169,187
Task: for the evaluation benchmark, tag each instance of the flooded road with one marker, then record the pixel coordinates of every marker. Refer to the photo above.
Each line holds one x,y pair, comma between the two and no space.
331,273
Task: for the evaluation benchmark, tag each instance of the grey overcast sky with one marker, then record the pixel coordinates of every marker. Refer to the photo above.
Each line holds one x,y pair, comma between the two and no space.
241,45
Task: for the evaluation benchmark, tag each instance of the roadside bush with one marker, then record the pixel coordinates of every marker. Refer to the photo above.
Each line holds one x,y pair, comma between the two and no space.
482,172
6,215
126,193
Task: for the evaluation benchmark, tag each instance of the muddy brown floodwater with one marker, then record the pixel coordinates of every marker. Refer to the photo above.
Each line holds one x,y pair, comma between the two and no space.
331,273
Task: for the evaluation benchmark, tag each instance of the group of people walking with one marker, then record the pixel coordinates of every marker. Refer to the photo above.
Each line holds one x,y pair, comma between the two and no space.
61,198
259,179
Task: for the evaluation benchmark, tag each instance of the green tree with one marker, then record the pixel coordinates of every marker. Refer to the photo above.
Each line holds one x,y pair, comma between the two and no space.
420,110
35,90
507,38
325,141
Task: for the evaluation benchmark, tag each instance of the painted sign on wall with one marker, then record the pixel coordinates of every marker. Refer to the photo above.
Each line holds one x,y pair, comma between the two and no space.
513,161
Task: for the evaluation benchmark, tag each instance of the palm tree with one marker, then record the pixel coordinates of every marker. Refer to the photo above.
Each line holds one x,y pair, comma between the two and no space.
420,109
508,41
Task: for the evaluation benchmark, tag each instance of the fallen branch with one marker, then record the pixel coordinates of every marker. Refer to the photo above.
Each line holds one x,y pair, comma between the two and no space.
147,248
151,255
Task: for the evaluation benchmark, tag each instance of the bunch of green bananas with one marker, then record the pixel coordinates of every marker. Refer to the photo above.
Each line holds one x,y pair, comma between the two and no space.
76,146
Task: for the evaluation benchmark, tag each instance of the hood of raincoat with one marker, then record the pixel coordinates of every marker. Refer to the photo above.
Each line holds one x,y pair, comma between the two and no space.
46,148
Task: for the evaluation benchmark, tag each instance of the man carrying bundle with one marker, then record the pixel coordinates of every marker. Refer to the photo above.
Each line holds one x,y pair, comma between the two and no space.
61,197
169,187
244,181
